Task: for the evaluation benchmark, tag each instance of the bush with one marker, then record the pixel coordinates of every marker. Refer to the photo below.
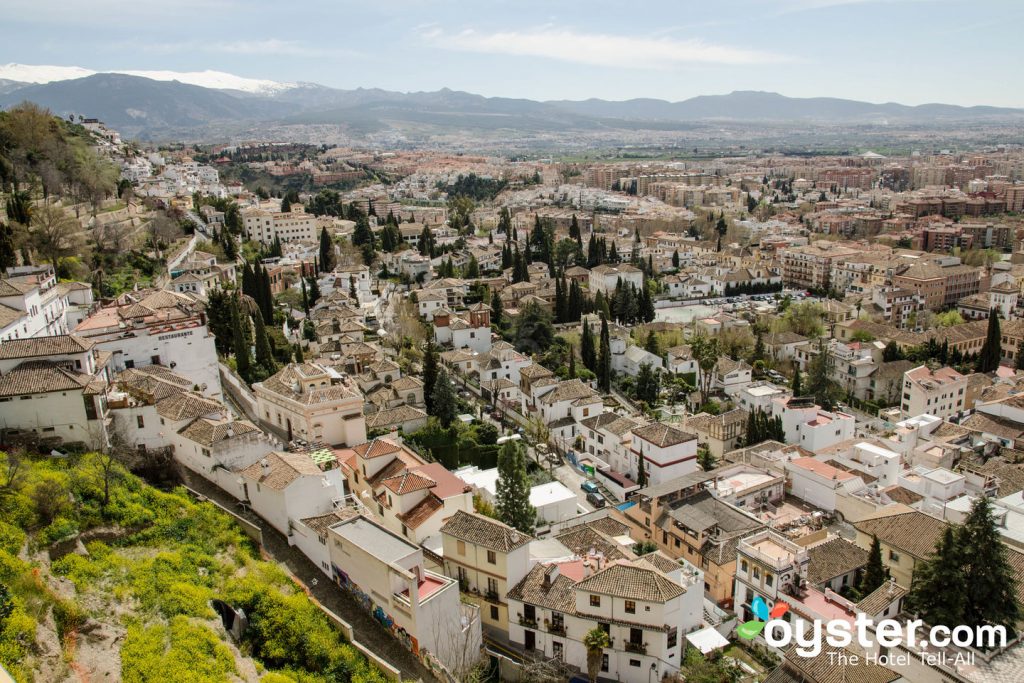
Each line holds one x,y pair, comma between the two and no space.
181,651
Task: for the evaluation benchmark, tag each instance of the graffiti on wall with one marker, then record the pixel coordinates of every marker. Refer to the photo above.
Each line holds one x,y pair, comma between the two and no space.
376,611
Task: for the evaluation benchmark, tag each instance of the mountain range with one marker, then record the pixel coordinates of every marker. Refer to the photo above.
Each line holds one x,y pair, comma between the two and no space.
164,104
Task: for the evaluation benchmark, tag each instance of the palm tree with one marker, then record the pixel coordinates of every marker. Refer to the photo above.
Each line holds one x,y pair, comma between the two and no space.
596,640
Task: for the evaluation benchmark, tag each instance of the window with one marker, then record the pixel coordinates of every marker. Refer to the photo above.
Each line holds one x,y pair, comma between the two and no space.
604,663
494,612
743,565
768,580
757,573
630,607
894,556
634,662
460,547
492,585
556,650
492,557
673,637
140,422
595,600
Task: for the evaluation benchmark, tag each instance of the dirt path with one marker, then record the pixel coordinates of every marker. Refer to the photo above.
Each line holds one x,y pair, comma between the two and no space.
367,630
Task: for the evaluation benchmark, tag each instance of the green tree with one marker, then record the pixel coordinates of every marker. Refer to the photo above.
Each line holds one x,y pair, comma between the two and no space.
443,403
988,358
430,373
595,641
513,489
264,354
8,253
497,312
706,351
705,458
533,330
240,343
604,360
989,590
641,472
930,596
875,572
675,259
588,353
820,384
796,386
327,261
651,345
891,352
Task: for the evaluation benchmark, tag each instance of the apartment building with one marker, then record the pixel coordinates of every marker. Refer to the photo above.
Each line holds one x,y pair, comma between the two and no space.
770,567
421,608
939,286
668,452
34,304
267,226
646,606
933,391
811,266
487,558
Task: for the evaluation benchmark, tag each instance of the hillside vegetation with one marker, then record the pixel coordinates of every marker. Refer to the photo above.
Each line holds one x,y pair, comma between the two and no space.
132,602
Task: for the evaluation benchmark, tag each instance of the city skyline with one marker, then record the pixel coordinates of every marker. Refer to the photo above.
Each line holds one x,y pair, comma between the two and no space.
576,51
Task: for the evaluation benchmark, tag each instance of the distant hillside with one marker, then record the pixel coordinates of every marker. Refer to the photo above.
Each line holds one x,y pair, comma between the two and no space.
145,107
751,105
135,105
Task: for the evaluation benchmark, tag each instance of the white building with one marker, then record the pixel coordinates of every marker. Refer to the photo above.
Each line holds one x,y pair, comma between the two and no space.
820,483
284,488
472,332
312,402
159,328
668,452
266,226
939,392
809,426
646,605
553,501
34,304
604,278
386,574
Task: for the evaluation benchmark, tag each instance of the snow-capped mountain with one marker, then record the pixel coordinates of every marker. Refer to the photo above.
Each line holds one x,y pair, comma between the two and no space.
219,80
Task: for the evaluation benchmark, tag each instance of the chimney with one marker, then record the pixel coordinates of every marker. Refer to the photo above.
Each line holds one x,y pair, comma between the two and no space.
550,574
265,467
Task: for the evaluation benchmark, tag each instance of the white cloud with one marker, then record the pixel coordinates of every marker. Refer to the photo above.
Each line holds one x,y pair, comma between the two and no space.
597,49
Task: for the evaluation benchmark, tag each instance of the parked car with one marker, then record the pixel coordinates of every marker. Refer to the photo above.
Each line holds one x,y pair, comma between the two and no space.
590,487
596,499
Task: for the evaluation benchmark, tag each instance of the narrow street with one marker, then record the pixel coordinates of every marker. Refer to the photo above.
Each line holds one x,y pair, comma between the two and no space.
366,629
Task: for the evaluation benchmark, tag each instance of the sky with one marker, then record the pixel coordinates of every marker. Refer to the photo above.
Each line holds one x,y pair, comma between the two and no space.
908,51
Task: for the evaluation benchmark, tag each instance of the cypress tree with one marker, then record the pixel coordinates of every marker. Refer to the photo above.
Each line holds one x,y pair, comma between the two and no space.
305,298
429,375
604,372
988,359
641,472
240,343
443,404
875,573
588,353
264,354
299,358
675,259
496,309
513,489
572,363
651,345
327,250
796,386
314,291
560,302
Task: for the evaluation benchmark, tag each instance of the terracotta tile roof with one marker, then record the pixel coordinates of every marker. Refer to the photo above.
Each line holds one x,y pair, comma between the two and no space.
376,448
484,531
877,600
394,416
40,377
208,432
609,526
322,523
284,468
626,580
912,532
55,345
569,390
827,667
293,375
422,511
660,561
833,558
583,538
187,405
663,435
558,595
407,482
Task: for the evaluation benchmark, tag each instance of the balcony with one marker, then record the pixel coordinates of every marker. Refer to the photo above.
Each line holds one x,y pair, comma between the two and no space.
527,622
555,629
637,648
491,595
